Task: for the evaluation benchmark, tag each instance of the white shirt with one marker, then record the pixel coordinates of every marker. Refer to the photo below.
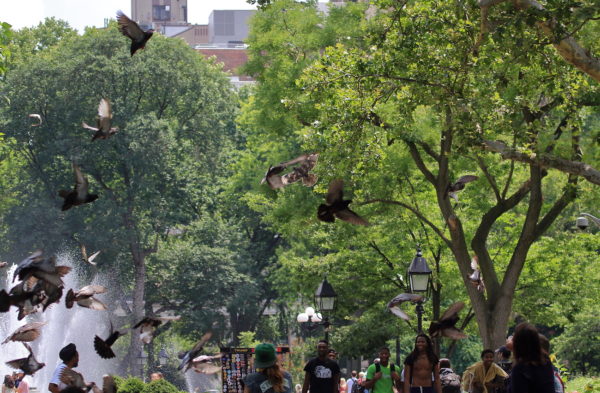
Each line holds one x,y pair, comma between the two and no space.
56,376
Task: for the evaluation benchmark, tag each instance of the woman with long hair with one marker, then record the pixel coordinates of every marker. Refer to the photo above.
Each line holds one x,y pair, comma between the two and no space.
532,372
269,377
421,368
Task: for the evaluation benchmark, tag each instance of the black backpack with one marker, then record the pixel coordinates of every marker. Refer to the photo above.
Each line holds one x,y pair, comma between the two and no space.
378,367
356,388
450,381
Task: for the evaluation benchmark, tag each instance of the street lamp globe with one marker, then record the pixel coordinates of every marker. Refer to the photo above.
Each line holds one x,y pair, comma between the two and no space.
302,317
325,297
419,274
309,311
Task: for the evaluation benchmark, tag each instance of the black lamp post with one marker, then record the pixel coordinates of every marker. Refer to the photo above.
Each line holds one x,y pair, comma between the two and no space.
419,276
325,299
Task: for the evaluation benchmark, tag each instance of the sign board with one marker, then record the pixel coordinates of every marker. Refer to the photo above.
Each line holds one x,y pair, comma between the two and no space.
236,363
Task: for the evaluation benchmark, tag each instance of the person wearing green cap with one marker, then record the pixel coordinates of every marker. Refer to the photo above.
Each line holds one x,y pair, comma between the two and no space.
269,377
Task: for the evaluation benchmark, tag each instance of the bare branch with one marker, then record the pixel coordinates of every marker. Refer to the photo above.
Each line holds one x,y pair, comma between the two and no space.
414,152
489,178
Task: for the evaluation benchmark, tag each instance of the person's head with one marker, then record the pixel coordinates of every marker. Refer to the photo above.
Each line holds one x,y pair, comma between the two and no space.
503,352
332,354
354,373
361,374
322,348
298,388
20,375
156,376
487,356
509,343
422,345
526,344
342,381
8,381
265,359
69,355
445,363
544,343
384,355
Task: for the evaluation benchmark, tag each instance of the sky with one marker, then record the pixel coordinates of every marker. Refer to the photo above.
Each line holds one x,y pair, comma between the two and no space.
81,13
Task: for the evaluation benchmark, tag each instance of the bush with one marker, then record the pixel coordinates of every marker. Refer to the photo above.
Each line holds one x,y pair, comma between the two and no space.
160,386
135,385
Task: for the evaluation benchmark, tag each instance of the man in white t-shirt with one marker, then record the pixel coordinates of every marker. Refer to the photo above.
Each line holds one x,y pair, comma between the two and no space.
70,359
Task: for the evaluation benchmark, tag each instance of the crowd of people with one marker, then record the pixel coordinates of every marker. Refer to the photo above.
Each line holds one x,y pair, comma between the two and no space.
521,366
15,383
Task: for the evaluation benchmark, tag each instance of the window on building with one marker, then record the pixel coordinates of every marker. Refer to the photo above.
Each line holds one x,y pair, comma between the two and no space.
161,12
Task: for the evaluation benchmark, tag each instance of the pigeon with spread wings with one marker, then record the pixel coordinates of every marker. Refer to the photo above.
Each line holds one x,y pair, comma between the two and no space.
336,206
476,278
189,356
302,172
26,333
148,326
85,257
37,117
80,192
42,268
204,364
103,347
459,185
394,304
28,365
445,327
85,297
132,30
103,129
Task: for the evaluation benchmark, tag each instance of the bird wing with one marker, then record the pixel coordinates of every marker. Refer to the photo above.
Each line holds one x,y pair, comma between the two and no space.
83,251
467,179
453,333
91,290
399,313
36,116
595,220
405,297
351,217
87,126
144,321
92,303
17,363
296,160
104,115
90,260
129,28
452,310
71,377
166,319
81,183
200,344
206,368
335,192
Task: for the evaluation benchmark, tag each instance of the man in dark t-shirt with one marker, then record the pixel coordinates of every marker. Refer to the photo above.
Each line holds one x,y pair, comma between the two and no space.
322,375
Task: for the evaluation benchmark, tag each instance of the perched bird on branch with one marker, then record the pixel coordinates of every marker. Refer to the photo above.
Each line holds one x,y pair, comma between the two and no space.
85,297
336,206
307,163
189,356
80,193
132,30
28,365
148,326
26,333
445,327
459,185
394,304
476,278
103,347
103,129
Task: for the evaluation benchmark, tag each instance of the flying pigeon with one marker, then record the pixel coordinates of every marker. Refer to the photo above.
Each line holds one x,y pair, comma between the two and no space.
445,326
476,277
79,195
595,220
189,356
37,117
307,163
28,365
3,264
132,30
394,304
84,255
85,297
103,130
103,347
41,268
336,206
148,326
459,185
26,333
203,364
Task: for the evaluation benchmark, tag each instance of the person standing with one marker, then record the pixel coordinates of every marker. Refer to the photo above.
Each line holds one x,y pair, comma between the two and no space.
532,371
343,385
381,375
321,374
351,381
8,386
484,376
70,359
269,377
421,368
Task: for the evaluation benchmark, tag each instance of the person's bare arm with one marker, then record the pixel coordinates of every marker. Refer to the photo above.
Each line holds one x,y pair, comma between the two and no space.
407,374
436,378
246,389
306,382
336,383
53,388
369,383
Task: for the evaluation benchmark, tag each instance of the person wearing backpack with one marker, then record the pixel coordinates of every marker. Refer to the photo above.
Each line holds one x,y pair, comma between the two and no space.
449,379
382,375
351,383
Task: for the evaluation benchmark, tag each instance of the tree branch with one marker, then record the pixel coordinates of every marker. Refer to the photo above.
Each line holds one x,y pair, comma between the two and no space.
545,161
489,177
414,152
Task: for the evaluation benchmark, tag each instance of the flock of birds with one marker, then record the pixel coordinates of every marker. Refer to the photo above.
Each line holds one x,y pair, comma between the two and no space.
41,279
